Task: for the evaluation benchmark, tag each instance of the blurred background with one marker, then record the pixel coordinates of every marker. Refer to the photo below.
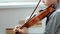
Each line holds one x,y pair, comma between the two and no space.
13,12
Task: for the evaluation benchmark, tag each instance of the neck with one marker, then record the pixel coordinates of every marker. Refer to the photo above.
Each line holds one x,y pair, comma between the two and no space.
54,2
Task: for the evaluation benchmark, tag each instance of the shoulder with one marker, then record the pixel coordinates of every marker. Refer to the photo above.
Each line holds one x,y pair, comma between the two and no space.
54,13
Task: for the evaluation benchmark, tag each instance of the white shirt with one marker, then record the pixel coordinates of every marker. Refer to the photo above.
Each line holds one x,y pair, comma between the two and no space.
54,22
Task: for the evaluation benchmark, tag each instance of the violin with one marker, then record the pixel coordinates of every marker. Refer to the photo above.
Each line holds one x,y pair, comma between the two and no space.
38,17
42,14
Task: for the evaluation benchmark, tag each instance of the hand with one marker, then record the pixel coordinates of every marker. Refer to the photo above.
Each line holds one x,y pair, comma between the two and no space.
17,28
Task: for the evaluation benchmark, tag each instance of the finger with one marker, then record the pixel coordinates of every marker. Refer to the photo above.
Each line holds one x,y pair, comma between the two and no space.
20,30
18,26
14,30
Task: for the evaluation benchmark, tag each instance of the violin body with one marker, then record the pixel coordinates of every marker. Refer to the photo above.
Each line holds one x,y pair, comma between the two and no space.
38,17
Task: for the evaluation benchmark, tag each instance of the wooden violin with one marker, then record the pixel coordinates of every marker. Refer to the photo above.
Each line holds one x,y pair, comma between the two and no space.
38,17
